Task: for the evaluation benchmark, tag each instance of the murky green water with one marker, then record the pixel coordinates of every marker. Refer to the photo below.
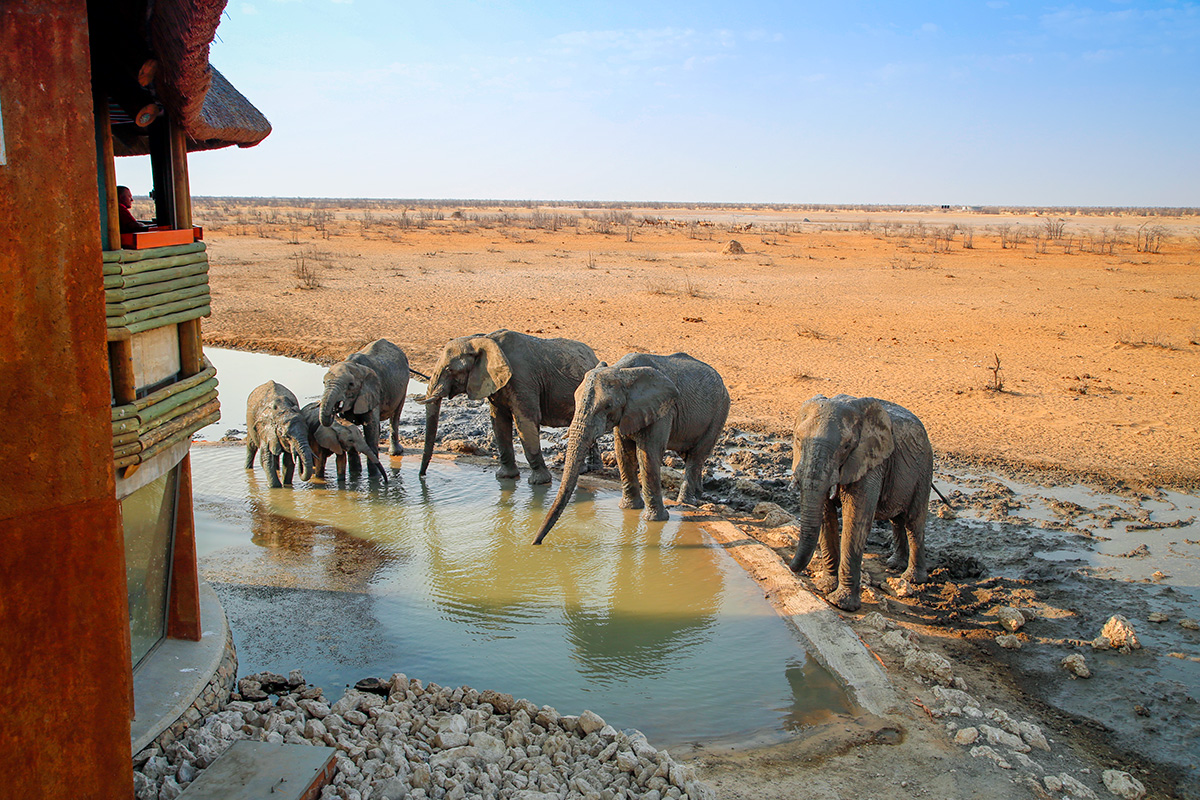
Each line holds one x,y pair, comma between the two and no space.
650,625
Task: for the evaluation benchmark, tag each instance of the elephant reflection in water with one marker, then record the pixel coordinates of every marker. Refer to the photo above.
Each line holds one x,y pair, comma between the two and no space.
627,602
300,553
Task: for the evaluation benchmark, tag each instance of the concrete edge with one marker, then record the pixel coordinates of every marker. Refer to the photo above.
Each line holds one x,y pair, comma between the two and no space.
176,673
828,637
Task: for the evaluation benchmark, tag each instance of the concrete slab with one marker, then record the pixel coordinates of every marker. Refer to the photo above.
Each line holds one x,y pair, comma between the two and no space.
264,771
828,638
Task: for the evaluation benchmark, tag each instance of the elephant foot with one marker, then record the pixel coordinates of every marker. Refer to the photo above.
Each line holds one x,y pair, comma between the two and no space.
507,473
690,499
631,502
825,582
539,477
397,450
655,515
896,563
846,600
915,576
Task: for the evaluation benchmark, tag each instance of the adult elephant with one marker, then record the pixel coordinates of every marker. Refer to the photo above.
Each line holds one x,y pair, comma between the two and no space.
274,426
524,378
369,386
652,404
874,459
341,440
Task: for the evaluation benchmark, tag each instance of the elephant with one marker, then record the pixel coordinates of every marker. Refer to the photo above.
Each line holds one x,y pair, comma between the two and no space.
873,458
274,424
652,404
341,440
367,387
525,379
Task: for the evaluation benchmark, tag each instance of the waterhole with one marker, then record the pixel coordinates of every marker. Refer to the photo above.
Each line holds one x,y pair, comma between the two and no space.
650,625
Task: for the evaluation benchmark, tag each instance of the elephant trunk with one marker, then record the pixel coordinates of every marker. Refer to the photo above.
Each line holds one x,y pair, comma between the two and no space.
580,437
331,401
812,510
433,409
304,454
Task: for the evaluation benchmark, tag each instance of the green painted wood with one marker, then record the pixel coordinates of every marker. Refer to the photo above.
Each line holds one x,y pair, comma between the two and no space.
173,319
155,300
151,413
152,264
150,424
208,373
160,275
127,449
132,256
186,417
126,411
122,294
182,436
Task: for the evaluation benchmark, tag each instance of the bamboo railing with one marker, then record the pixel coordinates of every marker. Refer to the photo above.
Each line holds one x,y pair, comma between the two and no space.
147,289
144,290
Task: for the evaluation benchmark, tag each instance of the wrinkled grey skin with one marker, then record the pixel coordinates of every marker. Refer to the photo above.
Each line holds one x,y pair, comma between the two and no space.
341,440
369,386
274,425
526,380
652,404
874,458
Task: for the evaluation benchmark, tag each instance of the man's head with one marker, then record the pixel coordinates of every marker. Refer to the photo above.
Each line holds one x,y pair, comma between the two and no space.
124,197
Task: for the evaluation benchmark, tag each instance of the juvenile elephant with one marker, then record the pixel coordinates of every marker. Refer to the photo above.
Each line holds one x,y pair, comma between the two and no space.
341,440
526,379
874,458
652,404
274,424
369,386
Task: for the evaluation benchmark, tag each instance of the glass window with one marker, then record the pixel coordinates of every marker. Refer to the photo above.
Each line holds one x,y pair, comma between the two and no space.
149,520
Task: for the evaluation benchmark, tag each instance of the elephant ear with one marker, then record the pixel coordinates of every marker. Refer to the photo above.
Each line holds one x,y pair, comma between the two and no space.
874,443
651,395
326,438
491,371
370,394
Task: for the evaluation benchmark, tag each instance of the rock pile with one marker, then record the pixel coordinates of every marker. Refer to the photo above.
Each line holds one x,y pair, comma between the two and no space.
407,740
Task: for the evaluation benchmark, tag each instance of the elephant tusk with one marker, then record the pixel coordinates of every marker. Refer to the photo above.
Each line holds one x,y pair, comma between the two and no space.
833,491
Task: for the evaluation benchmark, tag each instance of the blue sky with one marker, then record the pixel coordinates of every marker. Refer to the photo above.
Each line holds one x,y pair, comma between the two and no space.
979,103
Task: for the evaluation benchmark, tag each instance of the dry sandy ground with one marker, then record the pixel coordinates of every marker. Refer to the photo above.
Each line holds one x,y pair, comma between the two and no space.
1098,357
1098,353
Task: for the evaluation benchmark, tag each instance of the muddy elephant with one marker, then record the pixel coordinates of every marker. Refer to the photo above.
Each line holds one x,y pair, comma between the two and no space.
342,440
874,459
652,404
274,426
526,379
367,387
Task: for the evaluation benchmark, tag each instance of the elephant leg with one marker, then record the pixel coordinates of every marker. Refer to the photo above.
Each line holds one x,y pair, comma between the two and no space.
339,465
371,431
289,467
270,465
691,491
823,567
251,450
352,459
502,432
593,462
858,513
899,557
627,466
395,424
650,456
914,527
319,459
531,442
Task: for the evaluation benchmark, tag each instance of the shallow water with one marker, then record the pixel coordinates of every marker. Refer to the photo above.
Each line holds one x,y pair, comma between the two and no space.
648,624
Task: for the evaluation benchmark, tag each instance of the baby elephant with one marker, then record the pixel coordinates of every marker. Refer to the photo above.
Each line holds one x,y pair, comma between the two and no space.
874,458
341,440
274,424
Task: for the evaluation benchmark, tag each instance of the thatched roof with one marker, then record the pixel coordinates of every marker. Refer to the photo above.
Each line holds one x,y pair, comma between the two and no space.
178,34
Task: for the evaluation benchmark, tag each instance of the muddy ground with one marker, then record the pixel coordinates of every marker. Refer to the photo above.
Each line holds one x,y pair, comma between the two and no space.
1099,353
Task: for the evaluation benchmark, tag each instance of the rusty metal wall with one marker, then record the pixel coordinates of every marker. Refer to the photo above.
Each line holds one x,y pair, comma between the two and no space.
64,661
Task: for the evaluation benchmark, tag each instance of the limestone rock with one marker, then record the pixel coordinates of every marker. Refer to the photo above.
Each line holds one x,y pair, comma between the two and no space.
1075,788
590,722
1189,624
1120,634
966,736
929,665
1156,616
996,736
877,621
901,587
983,751
1011,619
1009,642
1123,785
1033,735
901,641
1077,666
1101,643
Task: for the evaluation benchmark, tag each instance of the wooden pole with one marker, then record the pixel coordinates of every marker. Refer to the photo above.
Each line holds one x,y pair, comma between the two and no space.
179,176
183,604
108,165
120,365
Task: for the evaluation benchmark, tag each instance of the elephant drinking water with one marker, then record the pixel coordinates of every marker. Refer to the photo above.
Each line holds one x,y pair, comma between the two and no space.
274,424
652,404
526,379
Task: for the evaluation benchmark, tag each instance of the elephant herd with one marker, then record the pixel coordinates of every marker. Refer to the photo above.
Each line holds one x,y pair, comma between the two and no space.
869,459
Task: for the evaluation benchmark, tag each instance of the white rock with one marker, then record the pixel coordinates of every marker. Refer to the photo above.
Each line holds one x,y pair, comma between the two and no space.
1011,619
1009,642
1052,783
966,736
590,722
491,749
996,736
1077,666
169,789
1189,624
929,665
1120,633
1033,736
901,641
877,621
1123,785
448,739
983,751
955,697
